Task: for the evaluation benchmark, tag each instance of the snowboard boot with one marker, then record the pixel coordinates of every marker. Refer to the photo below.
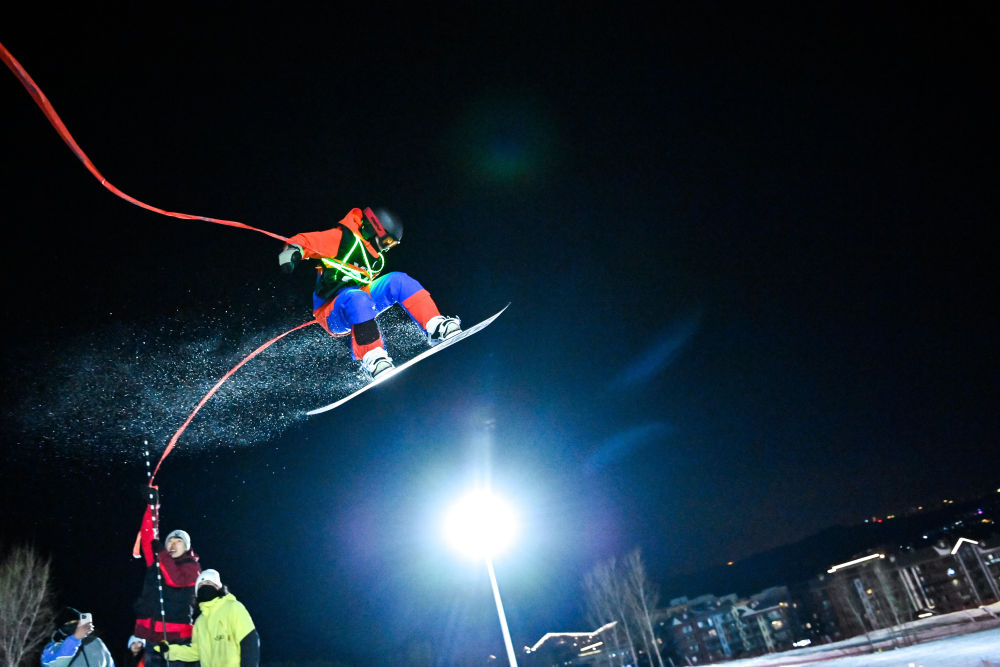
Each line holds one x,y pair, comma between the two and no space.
440,328
376,362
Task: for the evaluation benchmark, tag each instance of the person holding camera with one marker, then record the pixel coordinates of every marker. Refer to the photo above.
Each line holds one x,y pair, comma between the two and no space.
73,643
174,562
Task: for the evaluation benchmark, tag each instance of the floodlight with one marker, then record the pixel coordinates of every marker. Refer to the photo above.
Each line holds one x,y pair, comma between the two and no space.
480,525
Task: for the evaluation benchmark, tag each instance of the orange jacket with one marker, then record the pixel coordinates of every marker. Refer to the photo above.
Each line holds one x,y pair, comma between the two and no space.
332,244
327,244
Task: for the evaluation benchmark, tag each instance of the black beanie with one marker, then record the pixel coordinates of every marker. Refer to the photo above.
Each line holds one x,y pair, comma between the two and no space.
67,621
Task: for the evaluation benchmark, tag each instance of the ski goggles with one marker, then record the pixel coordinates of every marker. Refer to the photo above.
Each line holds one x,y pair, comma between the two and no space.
373,231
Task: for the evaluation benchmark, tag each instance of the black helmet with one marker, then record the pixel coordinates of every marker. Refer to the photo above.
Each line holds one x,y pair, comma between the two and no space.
382,229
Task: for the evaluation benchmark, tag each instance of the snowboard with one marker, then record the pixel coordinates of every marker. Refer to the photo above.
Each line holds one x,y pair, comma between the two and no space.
409,362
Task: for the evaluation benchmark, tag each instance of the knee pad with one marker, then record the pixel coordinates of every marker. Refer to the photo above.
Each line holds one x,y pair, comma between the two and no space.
366,333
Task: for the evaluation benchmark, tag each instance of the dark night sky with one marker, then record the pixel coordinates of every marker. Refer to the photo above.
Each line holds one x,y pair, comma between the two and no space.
747,250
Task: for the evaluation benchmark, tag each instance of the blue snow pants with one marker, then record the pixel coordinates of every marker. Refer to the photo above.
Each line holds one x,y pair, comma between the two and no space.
353,305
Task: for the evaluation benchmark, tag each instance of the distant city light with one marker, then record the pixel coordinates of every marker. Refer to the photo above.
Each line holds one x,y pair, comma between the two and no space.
958,544
588,635
729,562
951,572
854,562
801,643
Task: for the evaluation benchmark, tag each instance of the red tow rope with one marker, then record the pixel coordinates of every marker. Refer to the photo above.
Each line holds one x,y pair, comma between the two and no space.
173,440
50,113
211,392
43,103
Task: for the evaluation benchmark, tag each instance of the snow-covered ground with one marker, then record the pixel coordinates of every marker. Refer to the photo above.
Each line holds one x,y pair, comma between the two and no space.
968,638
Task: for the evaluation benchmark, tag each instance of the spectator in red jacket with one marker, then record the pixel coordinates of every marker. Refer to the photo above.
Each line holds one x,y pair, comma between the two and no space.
178,567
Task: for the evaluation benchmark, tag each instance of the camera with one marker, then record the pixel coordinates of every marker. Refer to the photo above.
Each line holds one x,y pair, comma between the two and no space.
86,617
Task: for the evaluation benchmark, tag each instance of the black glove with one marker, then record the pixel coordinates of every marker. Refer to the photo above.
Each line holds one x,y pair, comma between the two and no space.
162,647
289,258
157,546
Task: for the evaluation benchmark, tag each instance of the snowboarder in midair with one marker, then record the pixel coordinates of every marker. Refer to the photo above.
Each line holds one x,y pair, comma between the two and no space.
351,290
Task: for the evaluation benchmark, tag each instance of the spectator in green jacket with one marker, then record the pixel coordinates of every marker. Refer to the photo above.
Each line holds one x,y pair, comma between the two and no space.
224,634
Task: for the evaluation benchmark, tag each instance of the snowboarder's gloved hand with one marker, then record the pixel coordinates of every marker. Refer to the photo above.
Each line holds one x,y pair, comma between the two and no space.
162,647
157,546
289,258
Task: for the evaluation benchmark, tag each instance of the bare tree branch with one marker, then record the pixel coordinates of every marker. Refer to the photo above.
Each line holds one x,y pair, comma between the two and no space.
26,606
621,591
642,598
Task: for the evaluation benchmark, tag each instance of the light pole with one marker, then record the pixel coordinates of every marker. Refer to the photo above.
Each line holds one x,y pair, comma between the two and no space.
481,526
